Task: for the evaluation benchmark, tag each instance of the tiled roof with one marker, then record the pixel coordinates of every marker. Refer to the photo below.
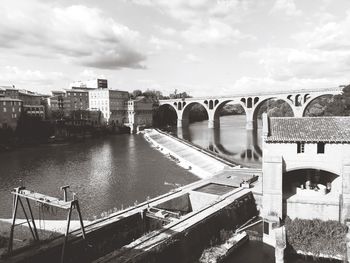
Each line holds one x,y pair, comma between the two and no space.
309,129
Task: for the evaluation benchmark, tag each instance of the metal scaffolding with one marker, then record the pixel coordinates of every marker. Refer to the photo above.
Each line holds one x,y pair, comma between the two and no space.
47,201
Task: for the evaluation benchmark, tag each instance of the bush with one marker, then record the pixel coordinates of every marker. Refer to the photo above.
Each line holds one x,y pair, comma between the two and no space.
316,236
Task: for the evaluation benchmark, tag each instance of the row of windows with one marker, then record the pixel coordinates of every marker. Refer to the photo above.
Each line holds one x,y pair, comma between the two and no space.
13,109
13,103
75,94
301,147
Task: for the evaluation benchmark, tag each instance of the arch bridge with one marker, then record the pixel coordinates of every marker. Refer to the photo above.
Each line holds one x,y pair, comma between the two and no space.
251,103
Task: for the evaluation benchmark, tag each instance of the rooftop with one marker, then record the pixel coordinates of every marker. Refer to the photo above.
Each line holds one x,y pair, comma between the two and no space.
309,129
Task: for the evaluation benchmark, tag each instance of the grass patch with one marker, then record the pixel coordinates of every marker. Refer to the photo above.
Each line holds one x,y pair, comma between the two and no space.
316,236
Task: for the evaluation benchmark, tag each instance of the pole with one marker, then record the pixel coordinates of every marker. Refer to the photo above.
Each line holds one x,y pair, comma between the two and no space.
14,212
67,232
25,214
31,215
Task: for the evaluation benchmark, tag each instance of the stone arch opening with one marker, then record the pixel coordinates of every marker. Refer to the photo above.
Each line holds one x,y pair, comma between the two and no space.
229,107
298,100
273,108
166,115
307,189
249,103
194,112
317,106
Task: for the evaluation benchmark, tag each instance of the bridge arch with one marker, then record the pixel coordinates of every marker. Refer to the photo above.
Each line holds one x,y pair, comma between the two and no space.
312,99
219,105
184,115
167,114
261,103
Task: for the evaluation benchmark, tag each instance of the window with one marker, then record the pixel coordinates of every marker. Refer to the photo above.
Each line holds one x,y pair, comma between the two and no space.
5,109
320,147
300,147
4,103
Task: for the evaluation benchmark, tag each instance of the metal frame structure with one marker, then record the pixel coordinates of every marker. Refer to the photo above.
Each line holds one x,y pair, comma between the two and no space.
21,192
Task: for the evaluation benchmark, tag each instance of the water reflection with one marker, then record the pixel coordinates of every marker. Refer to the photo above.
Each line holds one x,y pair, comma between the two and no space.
231,140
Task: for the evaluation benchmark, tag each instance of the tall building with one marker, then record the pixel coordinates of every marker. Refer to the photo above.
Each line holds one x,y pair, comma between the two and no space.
140,111
76,99
10,111
110,102
57,100
32,102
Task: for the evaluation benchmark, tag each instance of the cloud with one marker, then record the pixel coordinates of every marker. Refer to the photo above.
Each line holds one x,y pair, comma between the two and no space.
161,44
204,21
286,7
191,58
78,33
213,32
35,80
329,36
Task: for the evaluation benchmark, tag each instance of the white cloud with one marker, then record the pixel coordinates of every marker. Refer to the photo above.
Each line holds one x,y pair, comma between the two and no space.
213,32
82,34
205,21
35,80
286,7
191,58
161,44
329,36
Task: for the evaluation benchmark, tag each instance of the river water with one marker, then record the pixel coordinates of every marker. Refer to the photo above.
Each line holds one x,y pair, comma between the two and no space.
104,172
115,171
231,140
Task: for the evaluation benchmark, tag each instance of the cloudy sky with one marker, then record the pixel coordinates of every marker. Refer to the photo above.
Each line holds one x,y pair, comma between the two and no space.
204,47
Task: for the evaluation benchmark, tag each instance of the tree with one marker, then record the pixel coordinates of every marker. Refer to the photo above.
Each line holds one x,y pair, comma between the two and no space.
136,93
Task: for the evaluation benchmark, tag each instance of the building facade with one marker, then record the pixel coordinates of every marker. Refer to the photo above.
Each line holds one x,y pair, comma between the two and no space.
10,112
306,167
140,113
110,102
76,99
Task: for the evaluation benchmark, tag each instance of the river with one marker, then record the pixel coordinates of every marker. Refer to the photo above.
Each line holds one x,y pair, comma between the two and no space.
231,140
104,172
115,171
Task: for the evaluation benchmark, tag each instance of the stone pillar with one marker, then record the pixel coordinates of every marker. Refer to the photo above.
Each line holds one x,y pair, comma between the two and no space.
272,186
182,122
345,204
250,122
213,122
298,111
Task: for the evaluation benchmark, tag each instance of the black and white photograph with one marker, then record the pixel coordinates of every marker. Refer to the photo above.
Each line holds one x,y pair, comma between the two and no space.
174,131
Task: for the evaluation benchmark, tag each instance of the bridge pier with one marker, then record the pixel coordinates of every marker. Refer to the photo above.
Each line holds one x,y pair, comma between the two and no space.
182,122
298,111
250,121
213,124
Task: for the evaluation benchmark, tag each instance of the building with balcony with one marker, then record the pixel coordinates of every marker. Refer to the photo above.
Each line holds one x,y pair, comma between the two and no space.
306,167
